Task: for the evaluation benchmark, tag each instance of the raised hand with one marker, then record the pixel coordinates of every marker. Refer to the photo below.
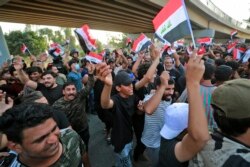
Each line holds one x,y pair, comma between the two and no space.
195,68
119,52
103,72
164,78
18,65
154,52
3,105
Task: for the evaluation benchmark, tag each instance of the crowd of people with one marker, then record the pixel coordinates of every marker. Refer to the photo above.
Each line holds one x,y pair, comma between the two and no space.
182,108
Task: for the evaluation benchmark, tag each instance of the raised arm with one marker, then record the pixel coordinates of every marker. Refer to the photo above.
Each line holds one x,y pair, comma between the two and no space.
104,74
151,105
137,63
23,76
155,54
123,58
198,134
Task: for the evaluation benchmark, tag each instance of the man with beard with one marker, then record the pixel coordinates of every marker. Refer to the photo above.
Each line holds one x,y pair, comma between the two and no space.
73,105
34,136
50,89
154,106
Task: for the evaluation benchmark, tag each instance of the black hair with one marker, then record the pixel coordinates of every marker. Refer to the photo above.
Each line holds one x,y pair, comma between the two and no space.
230,126
209,71
67,84
32,69
49,72
219,62
15,120
142,70
158,81
233,64
12,69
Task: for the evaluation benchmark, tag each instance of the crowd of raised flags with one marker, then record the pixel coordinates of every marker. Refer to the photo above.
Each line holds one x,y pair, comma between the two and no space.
171,26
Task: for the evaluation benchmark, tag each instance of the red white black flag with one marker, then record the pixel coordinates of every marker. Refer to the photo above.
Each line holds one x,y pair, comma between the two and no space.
94,57
233,33
172,22
141,43
86,41
24,48
206,40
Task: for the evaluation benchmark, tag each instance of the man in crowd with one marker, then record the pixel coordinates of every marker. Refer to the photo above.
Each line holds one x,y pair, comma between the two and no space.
73,105
33,134
230,145
50,89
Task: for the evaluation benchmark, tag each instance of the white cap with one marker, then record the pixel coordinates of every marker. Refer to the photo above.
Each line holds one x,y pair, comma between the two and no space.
176,120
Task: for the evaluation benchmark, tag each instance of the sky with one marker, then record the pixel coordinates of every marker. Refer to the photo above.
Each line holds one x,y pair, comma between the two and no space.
103,36
237,9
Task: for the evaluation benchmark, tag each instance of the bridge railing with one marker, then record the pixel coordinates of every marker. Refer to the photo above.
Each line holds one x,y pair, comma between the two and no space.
223,15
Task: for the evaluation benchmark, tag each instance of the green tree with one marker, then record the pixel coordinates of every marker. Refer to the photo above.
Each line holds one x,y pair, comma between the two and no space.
27,27
116,42
99,46
58,37
46,32
35,43
70,37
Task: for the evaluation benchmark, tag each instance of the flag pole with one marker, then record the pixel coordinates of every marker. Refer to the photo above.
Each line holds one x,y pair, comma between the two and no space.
28,51
189,24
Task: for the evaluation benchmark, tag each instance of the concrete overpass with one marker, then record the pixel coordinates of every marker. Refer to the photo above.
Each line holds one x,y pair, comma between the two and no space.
128,16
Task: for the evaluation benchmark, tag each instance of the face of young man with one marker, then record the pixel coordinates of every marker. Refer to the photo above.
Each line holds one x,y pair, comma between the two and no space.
49,81
169,91
41,141
54,70
125,90
35,76
69,92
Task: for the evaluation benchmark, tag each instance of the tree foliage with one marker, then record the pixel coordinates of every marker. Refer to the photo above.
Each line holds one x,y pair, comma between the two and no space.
38,41
116,42
35,43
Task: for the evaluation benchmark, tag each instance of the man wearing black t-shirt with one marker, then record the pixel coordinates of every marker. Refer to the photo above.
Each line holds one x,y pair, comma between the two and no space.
123,105
50,89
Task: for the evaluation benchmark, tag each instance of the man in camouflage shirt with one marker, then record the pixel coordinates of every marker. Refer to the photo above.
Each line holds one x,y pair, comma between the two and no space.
73,105
34,136
229,146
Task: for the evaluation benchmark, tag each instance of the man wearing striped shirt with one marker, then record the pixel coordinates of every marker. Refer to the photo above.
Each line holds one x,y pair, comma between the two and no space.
155,106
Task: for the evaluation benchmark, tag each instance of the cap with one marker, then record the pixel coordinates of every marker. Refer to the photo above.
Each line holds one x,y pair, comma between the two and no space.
123,78
176,120
232,98
223,73
73,51
110,60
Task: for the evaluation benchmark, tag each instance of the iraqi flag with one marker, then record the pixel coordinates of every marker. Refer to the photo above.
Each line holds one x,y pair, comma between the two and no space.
141,43
238,53
24,48
128,42
172,22
86,41
201,50
231,46
94,57
206,40
56,50
233,33
246,56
